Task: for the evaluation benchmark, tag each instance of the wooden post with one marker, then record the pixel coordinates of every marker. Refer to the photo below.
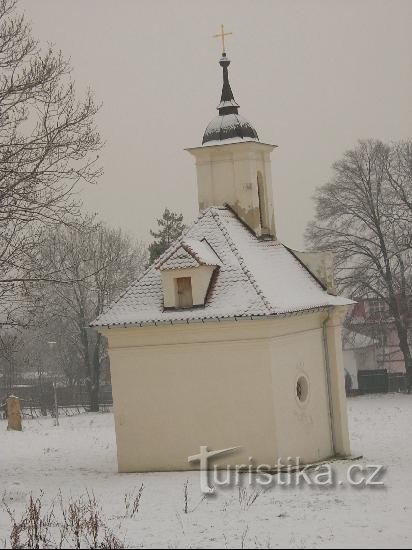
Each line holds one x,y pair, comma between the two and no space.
13,414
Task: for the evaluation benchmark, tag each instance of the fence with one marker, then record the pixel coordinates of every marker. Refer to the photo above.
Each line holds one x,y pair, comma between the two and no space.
37,400
380,381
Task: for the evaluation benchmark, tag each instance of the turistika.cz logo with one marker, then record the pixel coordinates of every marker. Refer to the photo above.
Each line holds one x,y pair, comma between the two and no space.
291,473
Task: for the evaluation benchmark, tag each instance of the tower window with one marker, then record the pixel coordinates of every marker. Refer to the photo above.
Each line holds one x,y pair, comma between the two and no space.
262,203
184,292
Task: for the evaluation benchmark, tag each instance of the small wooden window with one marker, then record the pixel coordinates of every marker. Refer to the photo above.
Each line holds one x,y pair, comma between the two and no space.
184,292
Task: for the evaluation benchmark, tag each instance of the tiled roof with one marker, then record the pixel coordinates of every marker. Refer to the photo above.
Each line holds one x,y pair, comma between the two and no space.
188,252
179,259
257,278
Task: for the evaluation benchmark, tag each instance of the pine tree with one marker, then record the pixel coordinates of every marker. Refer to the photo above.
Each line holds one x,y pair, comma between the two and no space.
170,227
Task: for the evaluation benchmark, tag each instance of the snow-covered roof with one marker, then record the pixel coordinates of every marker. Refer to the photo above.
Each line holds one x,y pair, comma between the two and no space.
256,278
180,259
186,253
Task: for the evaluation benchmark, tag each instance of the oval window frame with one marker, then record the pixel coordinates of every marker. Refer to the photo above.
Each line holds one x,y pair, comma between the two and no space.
302,398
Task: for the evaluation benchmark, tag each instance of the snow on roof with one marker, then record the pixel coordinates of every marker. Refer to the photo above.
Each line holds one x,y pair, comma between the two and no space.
179,259
188,252
202,251
256,278
228,127
236,139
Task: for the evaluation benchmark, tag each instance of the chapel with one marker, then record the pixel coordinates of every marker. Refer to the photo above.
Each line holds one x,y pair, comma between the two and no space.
230,339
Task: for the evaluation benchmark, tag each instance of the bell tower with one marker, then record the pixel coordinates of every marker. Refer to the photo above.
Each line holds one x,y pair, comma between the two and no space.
233,166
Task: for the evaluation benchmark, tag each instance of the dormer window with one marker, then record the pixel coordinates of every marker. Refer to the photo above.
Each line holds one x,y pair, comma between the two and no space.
186,273
184,296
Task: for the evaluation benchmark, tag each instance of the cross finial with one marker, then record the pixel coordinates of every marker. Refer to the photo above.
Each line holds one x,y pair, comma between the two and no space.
222,35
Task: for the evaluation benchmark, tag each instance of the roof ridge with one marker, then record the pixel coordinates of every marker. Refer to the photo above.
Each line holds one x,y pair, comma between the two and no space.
241,260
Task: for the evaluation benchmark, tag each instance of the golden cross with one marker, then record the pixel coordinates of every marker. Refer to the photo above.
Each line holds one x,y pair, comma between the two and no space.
222,35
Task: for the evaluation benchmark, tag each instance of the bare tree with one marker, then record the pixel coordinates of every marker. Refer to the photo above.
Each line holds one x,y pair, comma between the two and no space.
399,173
361,216
48,145
97,263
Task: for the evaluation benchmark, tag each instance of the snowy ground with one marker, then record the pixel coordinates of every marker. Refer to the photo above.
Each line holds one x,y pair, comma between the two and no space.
79,456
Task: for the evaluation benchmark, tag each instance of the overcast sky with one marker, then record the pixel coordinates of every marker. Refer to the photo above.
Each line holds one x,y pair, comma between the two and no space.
313,76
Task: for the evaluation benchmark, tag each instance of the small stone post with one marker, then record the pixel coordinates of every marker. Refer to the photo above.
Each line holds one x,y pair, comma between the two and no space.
13,413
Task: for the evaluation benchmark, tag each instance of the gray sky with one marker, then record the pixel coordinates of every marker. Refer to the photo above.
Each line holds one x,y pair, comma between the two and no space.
313,76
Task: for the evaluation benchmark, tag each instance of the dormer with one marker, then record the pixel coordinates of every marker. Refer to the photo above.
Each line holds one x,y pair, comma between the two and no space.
186,273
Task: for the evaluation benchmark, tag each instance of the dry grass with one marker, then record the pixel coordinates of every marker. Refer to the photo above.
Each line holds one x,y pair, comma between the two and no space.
76,524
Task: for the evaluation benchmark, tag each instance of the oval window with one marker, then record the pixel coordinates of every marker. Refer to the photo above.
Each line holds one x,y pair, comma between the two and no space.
302,389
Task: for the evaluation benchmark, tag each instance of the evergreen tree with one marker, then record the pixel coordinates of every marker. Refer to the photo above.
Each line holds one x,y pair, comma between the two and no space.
170,227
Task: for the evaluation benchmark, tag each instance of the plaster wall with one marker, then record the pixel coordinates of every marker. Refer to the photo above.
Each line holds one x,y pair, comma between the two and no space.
228,173
220,384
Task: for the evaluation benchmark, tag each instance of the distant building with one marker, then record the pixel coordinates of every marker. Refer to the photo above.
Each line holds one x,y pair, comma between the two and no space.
371,317
359,353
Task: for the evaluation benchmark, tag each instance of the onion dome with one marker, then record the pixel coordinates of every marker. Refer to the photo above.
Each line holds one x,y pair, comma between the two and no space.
228,126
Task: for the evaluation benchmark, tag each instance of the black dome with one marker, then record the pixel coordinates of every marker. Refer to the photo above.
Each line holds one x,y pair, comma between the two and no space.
229,127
